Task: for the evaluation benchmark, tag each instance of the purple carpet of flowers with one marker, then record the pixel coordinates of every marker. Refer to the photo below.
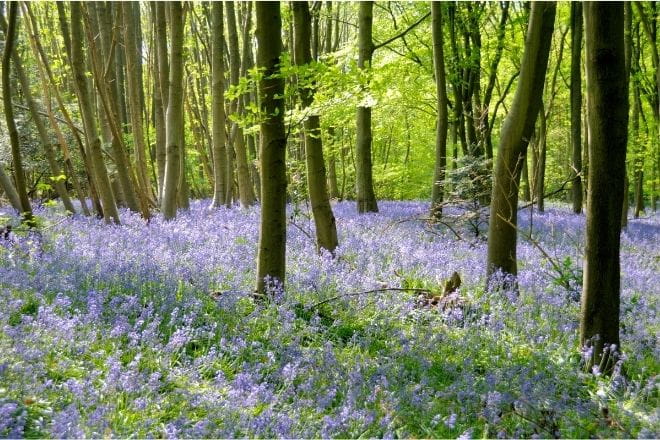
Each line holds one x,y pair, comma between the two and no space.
150,330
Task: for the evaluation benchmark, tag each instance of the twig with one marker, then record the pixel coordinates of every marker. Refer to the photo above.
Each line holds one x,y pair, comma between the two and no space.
383,289
536,244
545,196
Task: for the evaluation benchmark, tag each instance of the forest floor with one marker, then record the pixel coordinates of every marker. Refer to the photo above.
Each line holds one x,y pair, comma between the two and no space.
151,331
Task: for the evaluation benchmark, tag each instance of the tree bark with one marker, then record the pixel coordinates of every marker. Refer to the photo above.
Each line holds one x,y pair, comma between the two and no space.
245,192
174,119
133,57
607,113
517,129
19,173
271,259
324,219
576,105
366,198
94,149
161,94
9,189
441,100
109,96
218,106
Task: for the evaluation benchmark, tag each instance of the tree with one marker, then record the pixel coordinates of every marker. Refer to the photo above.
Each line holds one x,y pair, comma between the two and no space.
133,58
174,119
19,175
218,106
576,105
324,219
245,192
607,116
441,98
514,138
366,198
271,259
83,93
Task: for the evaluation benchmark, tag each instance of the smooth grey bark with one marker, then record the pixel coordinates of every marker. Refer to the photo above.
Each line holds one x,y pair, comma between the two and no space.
94,148
442,104
19,174
514,138
324,219
607,114
271,260
174,119
576,105
366,198
161,85
218,106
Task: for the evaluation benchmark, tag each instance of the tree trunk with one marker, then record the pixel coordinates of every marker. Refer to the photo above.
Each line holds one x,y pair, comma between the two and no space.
218,106
442,121
517,130
94,149
19,174
133,56
161,94
366,198
9,189
324,219
245,192
174,120
607,113
109,97
542,154
44,137
576,105
271,260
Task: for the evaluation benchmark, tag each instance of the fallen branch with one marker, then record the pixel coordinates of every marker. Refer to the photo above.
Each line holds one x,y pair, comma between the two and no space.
383,289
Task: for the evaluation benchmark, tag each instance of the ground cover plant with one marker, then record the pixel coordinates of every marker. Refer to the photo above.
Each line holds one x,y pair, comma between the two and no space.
151,330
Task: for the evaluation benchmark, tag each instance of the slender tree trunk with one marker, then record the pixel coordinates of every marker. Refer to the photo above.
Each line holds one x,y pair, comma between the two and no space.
174,120
607,103
542,155
162,81
44,137
576,104
333,185
271,260
94,149
324,219
218,106
9,189
19,173
133,68
245,192
517,129
441,100
109,97
366,198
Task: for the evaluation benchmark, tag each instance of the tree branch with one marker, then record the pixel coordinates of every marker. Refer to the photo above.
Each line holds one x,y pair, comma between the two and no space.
401,34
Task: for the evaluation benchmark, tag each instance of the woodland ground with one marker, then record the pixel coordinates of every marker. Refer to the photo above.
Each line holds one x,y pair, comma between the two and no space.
151,330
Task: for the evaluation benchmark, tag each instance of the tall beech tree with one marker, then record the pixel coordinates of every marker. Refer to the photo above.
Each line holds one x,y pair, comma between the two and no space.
174,118
19,174
366,197
93,139
607,116
271,260
218,105
441,100
245,192
324,219
514,139
576,105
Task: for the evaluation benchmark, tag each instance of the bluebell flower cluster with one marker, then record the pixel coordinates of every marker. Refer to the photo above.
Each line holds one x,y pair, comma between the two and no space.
151,330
